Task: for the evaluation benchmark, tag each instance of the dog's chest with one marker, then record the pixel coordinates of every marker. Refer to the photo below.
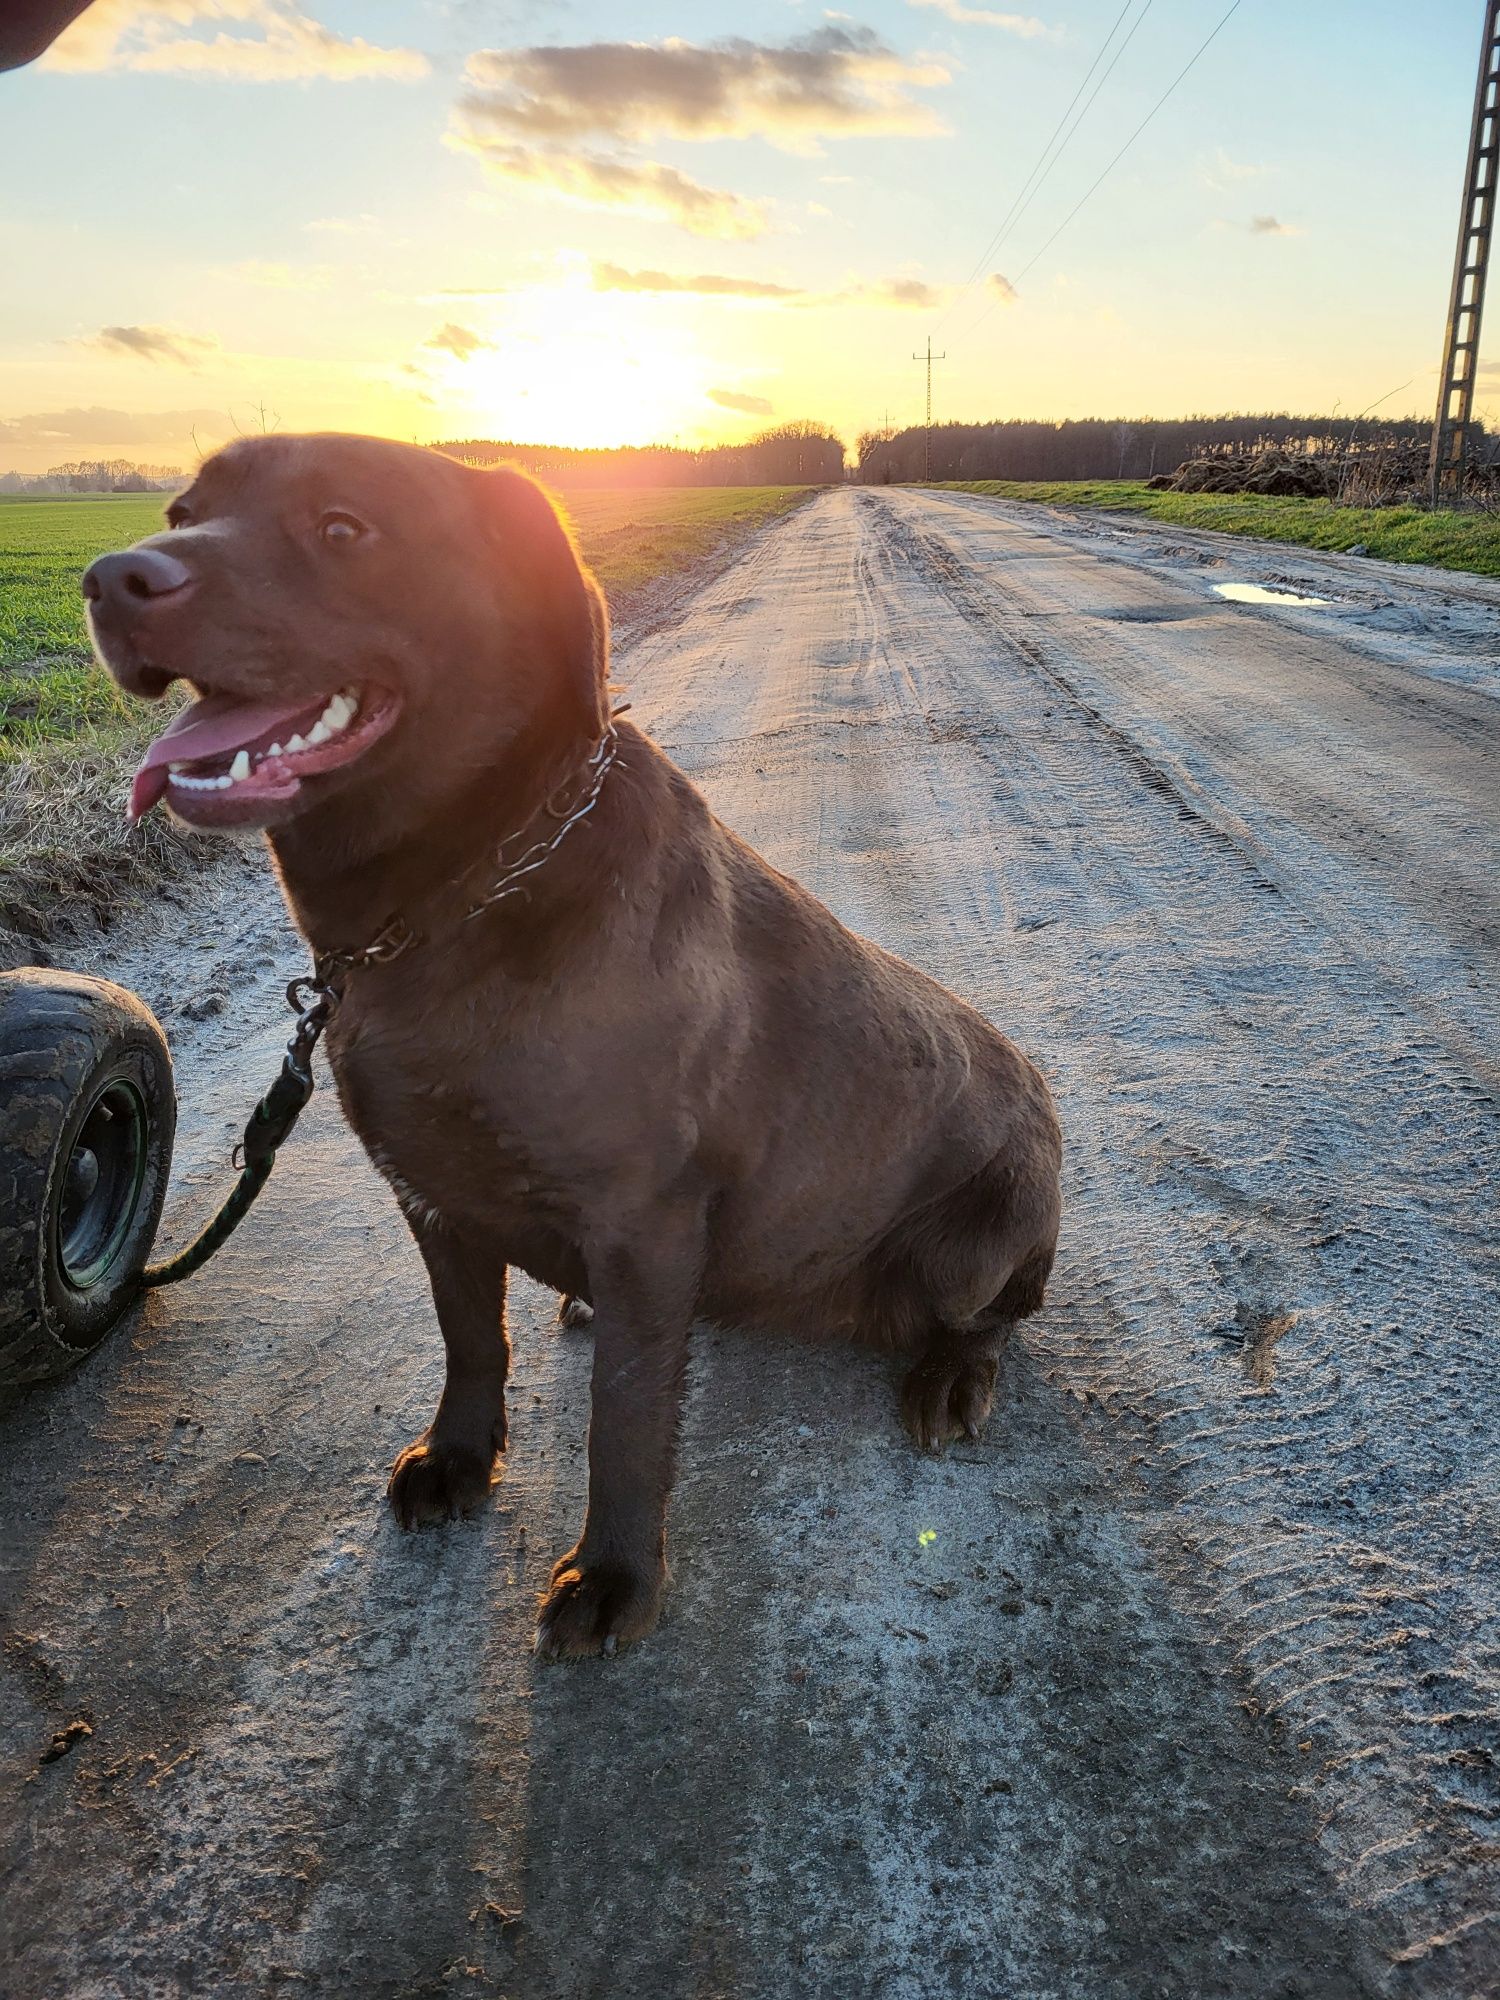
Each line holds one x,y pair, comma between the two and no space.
452,1129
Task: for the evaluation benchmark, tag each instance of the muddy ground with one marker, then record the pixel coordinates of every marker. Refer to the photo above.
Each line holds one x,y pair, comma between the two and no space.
1182,1682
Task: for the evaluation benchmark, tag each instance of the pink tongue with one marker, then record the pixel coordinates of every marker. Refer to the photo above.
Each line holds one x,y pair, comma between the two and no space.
215,726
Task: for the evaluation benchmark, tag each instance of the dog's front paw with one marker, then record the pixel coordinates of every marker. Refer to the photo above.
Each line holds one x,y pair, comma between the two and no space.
575,1312
947,1395
432,1481
596,1607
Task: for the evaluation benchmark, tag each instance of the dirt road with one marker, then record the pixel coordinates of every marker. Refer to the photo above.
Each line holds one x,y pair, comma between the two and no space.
1183,1682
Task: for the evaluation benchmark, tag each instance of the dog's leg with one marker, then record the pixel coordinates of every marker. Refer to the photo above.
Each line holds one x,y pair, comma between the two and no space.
949,1388
450,1468
573,1311
607,1591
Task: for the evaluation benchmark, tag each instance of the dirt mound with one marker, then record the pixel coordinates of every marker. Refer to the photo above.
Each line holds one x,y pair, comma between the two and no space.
1271,472
1374,475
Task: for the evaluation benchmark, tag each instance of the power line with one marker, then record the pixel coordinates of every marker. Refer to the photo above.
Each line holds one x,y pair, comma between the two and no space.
997,238
1094,187
1072,133
929,357
1455,407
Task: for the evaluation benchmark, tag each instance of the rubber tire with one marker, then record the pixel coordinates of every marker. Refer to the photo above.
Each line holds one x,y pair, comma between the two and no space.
63,1039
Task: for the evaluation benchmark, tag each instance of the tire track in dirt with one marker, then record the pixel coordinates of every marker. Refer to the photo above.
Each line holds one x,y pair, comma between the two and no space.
1318,1667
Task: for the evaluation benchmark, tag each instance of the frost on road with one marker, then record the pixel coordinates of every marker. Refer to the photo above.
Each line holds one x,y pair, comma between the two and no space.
1183,1682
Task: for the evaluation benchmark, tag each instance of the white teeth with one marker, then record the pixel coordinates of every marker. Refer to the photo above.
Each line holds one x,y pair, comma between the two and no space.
338,715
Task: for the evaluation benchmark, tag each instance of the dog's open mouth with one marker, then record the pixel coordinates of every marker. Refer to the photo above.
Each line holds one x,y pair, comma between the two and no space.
227,760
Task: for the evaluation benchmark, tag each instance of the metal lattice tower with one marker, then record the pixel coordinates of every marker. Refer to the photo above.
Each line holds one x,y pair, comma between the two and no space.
1450,432
929,357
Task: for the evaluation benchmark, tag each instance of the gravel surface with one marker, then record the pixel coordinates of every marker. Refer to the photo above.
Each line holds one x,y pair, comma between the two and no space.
1183,1682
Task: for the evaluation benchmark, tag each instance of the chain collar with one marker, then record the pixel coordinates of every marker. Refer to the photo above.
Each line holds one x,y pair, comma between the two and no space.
396,936
509,882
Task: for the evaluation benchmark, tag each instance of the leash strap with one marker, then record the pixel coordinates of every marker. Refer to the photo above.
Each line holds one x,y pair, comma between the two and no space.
313,1001
271,1123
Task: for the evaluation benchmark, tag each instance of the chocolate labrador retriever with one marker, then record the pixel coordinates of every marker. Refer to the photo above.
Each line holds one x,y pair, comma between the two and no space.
580,1026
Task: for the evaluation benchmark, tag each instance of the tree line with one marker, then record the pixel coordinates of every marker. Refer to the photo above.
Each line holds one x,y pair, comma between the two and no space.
95,475
1116,447
791,454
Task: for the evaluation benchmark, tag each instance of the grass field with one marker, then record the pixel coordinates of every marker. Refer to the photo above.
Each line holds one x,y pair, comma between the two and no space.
49,687
1395,534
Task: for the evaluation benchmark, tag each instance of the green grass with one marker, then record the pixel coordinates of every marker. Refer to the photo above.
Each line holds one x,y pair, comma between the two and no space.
1448,540
630,538
50,689
48,686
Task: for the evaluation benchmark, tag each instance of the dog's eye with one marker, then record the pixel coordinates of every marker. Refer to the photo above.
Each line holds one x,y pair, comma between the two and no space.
177,516
339,530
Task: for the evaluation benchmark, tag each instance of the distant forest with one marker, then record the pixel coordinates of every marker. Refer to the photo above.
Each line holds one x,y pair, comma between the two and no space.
1118,448
795,454
1018,448
812,454
96,475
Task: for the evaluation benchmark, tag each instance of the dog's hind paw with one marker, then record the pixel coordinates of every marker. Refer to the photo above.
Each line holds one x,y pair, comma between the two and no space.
437,1482
947,1394
596,1607
575,1312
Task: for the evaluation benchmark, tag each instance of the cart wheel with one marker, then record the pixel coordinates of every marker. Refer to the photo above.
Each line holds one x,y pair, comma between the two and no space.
87,1116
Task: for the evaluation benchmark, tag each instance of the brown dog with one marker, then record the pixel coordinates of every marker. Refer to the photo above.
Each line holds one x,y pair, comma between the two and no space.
664,1079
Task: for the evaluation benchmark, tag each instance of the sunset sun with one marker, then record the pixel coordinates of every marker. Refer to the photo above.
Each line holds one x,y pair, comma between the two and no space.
578,367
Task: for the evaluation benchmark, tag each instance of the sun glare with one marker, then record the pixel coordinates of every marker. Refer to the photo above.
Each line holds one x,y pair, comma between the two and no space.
568,365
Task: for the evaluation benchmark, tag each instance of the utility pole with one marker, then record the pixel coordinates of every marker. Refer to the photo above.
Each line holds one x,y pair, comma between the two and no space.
1450,431
930,357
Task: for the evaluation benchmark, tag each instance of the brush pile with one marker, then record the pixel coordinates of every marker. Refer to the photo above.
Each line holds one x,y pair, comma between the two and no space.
1273,472
1377,474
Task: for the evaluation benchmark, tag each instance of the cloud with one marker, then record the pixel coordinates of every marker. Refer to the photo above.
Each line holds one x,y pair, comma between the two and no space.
154,343
898,292
285,45
1000,288
835,81
731,399
1025,25
1222,172
526,113
107,430
457,341
709,284
1267,225
599,180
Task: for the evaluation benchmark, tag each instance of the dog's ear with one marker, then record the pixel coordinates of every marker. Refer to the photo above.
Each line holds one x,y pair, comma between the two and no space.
557,595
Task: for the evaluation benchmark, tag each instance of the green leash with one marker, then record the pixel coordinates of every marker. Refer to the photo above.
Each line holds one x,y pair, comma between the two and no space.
271,1122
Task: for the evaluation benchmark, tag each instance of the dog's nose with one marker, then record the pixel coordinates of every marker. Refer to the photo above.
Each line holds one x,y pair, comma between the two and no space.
134,577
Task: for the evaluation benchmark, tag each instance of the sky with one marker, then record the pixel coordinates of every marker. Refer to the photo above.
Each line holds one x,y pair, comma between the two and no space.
573,222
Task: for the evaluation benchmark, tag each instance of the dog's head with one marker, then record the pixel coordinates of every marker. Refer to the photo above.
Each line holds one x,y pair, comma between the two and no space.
351,614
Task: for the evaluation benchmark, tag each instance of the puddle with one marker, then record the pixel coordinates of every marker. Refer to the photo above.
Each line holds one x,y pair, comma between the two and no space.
1257,593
